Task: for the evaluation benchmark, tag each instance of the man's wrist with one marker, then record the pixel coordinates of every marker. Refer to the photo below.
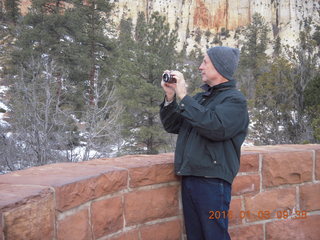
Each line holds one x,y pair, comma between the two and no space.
169,99
181,96
167,102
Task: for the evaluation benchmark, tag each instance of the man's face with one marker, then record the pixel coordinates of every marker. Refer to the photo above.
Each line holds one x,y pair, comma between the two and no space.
209,74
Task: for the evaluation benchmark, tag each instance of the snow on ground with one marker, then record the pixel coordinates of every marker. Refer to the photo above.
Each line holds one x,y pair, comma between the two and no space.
3,106
3,89
248,143
3,123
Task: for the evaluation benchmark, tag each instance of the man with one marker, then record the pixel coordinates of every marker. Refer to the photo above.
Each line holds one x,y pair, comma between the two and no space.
212,126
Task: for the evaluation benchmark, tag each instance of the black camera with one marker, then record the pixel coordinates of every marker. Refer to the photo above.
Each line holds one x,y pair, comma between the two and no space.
168,78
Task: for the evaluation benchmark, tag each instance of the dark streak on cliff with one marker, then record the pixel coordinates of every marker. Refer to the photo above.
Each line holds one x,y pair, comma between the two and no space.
227,14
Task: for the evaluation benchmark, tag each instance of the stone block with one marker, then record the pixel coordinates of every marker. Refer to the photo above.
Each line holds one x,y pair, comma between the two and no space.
131,235
286,168
249,162
317,173
133,161
266,205
280,148
147,205
246,184
16,196
13,196
1,229
235,209
74,183
162,231
253,232
294,229
106,216
152,174
144,169
310,197
32,220
75,226
77,193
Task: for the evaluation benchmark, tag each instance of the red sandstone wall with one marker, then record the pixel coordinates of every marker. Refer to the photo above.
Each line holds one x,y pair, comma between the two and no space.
137,198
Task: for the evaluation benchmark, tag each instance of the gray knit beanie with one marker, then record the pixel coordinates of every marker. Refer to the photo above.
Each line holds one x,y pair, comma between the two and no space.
225,60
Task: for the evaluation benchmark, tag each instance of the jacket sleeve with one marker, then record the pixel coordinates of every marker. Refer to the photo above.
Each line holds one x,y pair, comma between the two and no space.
223,122
170,117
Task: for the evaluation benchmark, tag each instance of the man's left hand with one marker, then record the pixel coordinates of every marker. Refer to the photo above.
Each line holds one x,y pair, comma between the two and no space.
181,86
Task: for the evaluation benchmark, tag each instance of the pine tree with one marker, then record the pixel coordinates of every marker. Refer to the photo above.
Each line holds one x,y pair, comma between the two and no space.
60,68
189,65
253,59
36,119
277,47
281,112
316,35
312,105
9,17
140,70
11,12
96,60
92,49
275,105
305,58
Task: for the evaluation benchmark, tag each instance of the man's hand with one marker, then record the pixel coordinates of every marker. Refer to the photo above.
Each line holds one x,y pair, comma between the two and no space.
179,88
180,85
169,89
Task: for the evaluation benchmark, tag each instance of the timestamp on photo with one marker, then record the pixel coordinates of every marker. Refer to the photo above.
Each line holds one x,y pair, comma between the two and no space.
261,214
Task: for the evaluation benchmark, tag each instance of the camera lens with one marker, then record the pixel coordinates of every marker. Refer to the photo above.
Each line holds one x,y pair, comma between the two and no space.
166,77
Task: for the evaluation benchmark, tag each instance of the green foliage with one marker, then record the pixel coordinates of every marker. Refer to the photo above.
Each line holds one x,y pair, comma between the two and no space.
189,65
275,102
256,43
284,106
64,64
225,33
9,17
12,11
305,58
207,33
312,92
277,47
216,40
62,75
312,105
144,55
74,38
316,35
94,50
253,61
198,35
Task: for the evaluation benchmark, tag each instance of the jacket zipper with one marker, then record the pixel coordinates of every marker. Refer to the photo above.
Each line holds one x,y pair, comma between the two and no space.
203,102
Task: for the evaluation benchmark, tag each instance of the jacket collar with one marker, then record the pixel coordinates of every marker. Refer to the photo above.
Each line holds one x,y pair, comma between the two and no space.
220,87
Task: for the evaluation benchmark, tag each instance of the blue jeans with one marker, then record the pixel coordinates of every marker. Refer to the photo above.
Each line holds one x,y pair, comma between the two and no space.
205,207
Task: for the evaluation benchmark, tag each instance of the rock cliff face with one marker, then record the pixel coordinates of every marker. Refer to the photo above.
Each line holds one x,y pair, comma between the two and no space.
283,16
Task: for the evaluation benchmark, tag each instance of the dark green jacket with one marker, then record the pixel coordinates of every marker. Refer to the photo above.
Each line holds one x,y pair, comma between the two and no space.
212,127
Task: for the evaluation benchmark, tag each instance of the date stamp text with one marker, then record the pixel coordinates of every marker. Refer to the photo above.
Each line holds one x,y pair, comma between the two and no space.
261,214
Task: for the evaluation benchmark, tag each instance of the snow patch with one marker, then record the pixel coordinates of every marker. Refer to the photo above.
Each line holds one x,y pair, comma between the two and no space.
3,106
3,89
